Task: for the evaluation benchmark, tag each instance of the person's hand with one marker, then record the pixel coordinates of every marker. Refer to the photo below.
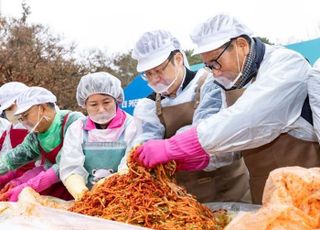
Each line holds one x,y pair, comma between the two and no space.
184,148
7,187
5,178
152,152
13,194
79,195
4,196
32,173
76,186
39,183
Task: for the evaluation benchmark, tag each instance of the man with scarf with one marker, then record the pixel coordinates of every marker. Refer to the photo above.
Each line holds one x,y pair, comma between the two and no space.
268,116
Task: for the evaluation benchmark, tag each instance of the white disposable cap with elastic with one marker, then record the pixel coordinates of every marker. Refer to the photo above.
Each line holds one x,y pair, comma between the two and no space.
153,48
216,31
99,83
9,93
33,96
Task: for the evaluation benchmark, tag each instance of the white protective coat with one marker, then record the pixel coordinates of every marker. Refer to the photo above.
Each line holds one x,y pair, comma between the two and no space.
145,110
72,156
270,106
314,97
210,103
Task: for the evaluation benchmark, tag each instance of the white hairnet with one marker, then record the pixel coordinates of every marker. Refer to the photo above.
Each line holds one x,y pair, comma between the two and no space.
99,83
9,93
316,65
216,31
153,48
33,96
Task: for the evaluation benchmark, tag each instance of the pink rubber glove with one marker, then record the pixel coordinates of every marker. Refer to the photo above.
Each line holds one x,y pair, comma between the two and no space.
39,183
28,175
22,179
184,148
5,178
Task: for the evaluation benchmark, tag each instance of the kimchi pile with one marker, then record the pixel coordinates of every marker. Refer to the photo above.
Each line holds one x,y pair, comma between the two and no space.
149,198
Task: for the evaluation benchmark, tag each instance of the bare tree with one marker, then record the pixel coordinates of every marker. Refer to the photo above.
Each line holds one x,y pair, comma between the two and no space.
30,54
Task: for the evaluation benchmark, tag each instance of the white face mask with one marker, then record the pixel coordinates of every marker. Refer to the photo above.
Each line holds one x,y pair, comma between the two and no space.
163,88
225,82
102,118
32,129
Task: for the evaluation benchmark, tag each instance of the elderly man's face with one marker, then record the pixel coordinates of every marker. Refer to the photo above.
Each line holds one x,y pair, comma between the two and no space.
168,73
31,119
227,61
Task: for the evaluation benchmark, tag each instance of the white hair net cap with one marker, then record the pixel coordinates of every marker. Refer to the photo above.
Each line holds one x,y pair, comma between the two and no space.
33,96
153,48
216,31
99,83
9,93
316,65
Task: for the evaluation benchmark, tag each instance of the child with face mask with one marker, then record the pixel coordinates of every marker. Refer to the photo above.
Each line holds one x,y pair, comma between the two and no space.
95,145
36,111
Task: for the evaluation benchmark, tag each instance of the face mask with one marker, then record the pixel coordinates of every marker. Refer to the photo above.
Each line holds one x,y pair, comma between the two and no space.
225,82
31,128
102,118
163,88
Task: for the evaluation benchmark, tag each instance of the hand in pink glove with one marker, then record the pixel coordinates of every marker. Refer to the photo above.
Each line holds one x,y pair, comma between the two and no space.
153,152
39,183
29,174
5,178
23,179
184,148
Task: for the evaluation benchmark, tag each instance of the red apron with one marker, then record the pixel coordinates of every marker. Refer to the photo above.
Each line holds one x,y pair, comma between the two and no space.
16,137
3,136
57,189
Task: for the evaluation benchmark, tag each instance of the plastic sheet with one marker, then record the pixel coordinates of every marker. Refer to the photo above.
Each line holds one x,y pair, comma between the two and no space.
28,213
233,207
291,200
40,217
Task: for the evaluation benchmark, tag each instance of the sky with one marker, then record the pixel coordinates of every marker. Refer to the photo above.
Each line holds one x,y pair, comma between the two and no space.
115,25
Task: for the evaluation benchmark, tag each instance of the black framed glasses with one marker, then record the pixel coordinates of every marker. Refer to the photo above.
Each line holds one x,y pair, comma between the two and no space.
214,64
147,76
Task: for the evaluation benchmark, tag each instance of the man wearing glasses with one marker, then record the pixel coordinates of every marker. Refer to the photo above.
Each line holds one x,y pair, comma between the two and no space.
268,116
173,107
37,111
